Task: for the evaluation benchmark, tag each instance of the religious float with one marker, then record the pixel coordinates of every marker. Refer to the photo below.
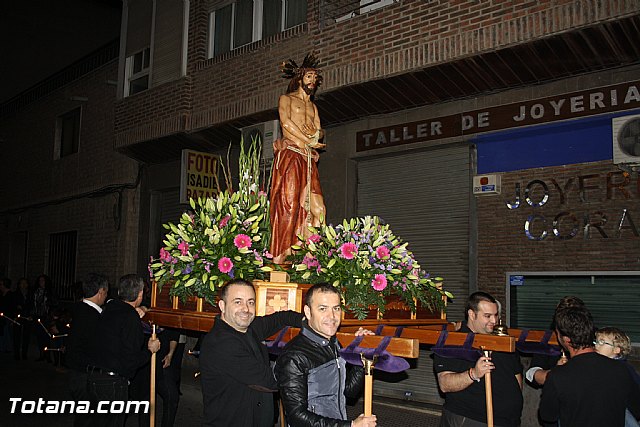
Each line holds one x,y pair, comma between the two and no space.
227,237
383,286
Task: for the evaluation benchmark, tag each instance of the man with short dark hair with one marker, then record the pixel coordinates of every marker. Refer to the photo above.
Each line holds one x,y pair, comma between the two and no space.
462,380
590,389
82,348
237,380
313,378
541,364
122,349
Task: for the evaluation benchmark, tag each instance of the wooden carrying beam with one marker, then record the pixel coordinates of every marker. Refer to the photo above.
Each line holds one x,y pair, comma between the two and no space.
203,321
532,336
180,319
430,336
403,347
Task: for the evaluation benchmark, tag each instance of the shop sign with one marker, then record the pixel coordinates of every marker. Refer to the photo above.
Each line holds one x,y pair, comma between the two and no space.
581,221
561,107
198,175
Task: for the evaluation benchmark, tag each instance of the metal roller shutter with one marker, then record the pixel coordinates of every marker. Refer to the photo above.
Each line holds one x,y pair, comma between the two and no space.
417,384
424,196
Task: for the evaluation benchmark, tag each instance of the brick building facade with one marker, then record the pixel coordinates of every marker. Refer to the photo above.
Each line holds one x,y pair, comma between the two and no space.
67,213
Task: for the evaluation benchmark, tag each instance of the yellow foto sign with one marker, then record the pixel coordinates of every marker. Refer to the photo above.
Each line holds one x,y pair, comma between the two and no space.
199,175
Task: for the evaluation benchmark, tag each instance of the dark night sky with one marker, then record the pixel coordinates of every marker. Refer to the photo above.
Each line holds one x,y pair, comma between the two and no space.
41,37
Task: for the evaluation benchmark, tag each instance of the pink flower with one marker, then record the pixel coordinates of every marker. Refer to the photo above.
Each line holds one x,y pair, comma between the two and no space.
314,238
382,252
184,247
225,265
165,255
348,250
224,221
310,261
242,241
379,282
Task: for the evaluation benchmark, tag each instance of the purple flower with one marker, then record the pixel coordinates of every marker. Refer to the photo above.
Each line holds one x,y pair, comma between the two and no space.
310,261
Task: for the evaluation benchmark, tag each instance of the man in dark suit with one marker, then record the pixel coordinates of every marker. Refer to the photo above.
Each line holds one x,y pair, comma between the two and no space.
237,381
82,349
22,300
122,346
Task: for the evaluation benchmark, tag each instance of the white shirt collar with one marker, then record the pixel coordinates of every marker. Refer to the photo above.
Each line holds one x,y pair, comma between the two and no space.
92,304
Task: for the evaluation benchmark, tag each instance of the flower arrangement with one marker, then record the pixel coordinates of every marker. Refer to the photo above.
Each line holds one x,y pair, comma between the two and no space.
222,238
367,262
228,237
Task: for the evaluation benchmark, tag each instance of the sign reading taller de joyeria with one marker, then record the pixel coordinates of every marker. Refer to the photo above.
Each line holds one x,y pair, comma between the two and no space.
601,100
198,175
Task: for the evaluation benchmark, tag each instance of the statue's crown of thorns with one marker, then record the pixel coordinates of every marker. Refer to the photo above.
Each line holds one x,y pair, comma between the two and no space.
291,70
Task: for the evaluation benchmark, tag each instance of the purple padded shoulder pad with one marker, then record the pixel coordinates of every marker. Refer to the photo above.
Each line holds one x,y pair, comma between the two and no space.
465,351
542,347
385,360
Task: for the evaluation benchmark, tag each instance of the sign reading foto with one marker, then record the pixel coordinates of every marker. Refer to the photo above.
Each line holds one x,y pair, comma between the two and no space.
198,175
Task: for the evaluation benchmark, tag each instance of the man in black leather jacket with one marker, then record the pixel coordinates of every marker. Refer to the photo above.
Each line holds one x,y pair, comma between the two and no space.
312,377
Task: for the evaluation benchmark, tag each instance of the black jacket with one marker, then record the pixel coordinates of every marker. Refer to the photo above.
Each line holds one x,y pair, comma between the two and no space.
122,346
237,380
82,347
314,383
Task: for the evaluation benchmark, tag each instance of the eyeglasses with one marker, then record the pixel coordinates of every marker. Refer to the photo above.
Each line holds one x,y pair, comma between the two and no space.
603,342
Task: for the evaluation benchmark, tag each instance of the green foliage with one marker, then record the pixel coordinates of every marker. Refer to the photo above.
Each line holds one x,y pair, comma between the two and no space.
222,238
367,262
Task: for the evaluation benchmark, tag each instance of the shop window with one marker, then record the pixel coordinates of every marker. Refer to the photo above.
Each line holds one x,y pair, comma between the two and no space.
137,72
62,263
246,21
613,298
67,138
